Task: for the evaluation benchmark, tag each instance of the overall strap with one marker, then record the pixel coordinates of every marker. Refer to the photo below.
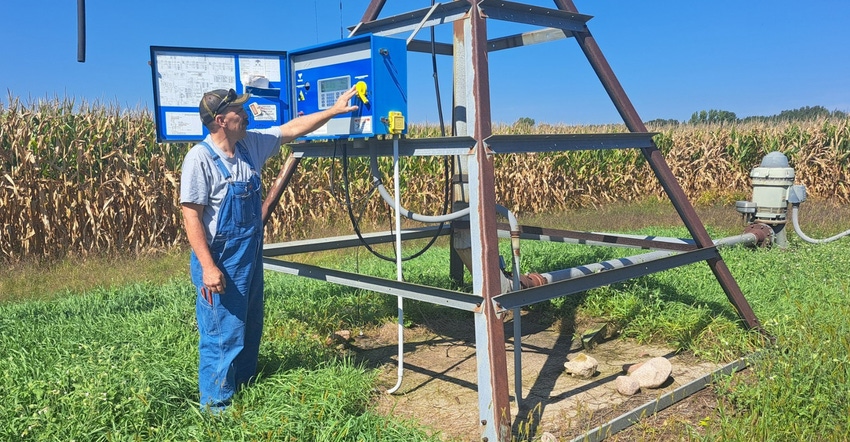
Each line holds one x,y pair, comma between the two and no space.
217,160
245,155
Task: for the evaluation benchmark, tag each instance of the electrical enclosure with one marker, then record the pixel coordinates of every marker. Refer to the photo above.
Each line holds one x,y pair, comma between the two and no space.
376,65
182,75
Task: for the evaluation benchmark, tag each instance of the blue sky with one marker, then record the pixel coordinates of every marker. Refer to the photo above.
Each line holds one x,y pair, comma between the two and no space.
754,57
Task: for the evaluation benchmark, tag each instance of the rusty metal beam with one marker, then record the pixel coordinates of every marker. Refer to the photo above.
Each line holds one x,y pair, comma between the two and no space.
410,21
373,10
283,177
492,361
534,232
662,170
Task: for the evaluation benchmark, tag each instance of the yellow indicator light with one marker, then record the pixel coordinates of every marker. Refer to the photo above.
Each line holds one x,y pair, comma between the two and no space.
396,122
360,87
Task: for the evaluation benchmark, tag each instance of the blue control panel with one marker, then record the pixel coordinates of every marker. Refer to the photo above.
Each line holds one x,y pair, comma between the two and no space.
375,65
182,75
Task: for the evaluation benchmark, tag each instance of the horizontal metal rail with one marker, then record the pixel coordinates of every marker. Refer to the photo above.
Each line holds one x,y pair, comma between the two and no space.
424,46
567,142
407,147
434,295
600,239
533,15
527,39
462,145
585,282
409,21
496,44
342,242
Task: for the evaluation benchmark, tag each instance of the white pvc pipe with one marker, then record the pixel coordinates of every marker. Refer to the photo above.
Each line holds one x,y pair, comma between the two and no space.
399,276
796,222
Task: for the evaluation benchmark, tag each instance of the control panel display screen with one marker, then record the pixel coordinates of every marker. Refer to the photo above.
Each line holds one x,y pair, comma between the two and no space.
331,88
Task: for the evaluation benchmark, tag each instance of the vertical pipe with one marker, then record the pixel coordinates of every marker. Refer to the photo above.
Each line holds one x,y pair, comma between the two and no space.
517,286
662,169
81,31
399,276
495,415
460,184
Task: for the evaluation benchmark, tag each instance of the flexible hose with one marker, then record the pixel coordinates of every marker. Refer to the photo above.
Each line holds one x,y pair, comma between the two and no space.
389,199
795,220
355,222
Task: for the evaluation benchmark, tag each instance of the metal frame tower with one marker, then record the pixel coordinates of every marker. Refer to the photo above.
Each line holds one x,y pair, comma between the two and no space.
474,146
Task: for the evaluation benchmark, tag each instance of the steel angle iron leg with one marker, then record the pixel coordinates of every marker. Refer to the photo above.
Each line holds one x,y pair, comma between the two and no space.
373,10
493,397
662,170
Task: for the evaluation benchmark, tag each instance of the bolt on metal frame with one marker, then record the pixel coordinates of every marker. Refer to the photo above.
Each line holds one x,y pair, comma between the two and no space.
474,146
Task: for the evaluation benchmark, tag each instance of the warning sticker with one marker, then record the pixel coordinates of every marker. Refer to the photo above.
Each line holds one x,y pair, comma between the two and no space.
361,125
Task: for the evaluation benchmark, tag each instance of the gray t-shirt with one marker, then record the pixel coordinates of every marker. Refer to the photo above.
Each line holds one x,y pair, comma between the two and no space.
201,181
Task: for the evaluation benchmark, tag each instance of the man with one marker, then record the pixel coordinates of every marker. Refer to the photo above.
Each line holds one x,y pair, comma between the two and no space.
220,195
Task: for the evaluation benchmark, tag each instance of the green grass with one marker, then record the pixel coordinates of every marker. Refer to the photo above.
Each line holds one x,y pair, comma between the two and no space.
120,364
50,278
114,359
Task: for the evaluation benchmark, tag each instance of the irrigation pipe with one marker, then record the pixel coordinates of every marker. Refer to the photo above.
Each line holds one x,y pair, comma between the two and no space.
399,276
575,272
795,220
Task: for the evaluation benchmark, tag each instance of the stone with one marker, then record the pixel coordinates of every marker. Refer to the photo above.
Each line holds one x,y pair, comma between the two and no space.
627,385
548,437
340,337
582,366
653,373
633,367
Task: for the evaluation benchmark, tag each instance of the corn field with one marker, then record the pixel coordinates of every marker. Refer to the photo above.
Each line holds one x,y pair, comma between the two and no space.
82,178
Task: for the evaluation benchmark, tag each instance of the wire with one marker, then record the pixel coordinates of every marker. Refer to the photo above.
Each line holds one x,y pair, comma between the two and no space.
316,15
436,80
355,221
448,170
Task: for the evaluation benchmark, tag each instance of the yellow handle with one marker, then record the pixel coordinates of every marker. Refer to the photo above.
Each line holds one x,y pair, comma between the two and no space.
360,86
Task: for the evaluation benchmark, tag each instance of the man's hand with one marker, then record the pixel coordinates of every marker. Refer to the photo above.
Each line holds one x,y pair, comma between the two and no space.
214,279
341,106
306,124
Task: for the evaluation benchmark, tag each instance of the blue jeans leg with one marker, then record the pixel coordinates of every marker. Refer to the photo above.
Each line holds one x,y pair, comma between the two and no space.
221,341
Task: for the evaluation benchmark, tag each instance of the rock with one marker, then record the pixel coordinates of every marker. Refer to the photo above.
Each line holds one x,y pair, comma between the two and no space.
653,373
627,385
582,366
548,437
340,337
633,367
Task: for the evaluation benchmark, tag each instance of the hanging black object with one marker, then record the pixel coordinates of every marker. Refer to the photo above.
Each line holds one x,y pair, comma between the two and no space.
81,31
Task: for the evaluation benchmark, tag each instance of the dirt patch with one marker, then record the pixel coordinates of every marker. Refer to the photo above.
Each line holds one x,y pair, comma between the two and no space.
439,387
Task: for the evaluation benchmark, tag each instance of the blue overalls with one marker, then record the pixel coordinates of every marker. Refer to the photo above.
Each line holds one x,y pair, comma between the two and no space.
230,324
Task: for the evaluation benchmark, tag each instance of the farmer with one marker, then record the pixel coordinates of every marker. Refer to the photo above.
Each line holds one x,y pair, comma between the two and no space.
220,194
